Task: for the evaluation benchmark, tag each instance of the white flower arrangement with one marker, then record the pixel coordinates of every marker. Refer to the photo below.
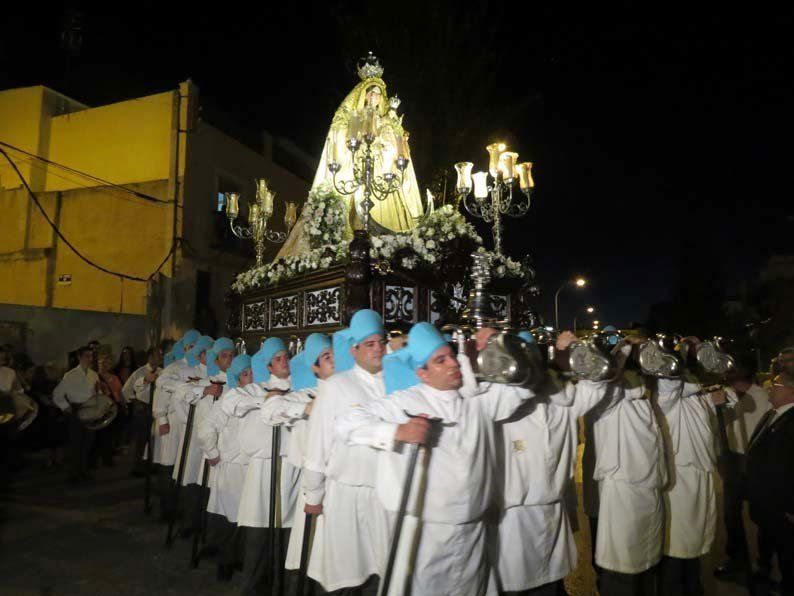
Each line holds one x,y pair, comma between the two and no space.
324,215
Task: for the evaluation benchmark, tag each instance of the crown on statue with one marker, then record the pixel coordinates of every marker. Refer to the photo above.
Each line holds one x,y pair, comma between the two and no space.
369,67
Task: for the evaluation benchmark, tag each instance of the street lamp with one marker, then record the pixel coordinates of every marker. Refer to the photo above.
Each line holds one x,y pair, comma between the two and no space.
596,324
589,310
578,282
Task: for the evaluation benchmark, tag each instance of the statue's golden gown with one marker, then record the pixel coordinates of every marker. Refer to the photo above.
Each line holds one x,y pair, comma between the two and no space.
400,211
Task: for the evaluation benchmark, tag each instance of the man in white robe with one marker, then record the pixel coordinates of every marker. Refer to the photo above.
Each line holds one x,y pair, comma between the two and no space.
746,405
138,390
447,512
537,448
197,393
270,367
220,441
338,480
629,476
690,499
165,384
308,370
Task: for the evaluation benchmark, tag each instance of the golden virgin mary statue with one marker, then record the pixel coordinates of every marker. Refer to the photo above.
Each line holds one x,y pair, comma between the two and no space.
401,210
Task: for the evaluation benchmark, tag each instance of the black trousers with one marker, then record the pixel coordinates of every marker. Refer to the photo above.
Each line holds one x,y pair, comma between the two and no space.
731,467
680,577
167,488
613,583
779,537
260,565
551,589
192,500
227,538
141,427
79,447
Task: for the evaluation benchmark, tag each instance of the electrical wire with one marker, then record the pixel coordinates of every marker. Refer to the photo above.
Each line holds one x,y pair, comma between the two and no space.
72,246
140,195
110,190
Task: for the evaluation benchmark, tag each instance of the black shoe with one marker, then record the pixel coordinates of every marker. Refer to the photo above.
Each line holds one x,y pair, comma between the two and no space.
225,573
727,569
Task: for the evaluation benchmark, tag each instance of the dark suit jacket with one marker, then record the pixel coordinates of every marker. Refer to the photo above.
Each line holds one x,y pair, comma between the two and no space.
770,471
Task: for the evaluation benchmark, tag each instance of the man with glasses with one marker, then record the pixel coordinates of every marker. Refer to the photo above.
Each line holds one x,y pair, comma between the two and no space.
770,471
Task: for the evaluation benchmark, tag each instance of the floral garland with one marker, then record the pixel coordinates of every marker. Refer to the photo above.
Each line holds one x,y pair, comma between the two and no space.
425,241
324,217
422,247
502,265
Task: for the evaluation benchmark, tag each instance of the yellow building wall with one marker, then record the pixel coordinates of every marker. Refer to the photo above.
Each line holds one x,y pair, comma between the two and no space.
20,125
127,143
123,142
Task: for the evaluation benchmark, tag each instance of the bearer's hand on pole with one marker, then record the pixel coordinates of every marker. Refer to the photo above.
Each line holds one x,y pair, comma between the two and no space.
214,461
213,389
482,336
163,429
150,377
718,397
564,340
313,509
414,431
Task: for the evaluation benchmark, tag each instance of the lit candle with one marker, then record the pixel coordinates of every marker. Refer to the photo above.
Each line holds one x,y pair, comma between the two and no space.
331,156
480,185
354,125
261,188
507,163
253,213
524,171
389,157
402,143
371,122
291,215
267,203
494,150
463,169
232,204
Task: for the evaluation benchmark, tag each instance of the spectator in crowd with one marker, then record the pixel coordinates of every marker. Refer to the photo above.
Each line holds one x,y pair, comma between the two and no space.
107,438
126,364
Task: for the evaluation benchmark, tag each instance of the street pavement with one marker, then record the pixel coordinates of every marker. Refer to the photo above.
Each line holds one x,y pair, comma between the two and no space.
63,540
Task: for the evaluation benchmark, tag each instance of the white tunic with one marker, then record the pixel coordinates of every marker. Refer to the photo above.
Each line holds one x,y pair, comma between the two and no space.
219,437
289,411
256,442
630,473
170,377
450,493
690,501
185,395
537,456
351,537
136,388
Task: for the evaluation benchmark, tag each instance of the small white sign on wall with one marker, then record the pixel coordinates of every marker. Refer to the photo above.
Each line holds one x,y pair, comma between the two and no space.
65,279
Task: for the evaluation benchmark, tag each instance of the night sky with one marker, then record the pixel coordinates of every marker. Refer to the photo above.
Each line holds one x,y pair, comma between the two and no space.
655,134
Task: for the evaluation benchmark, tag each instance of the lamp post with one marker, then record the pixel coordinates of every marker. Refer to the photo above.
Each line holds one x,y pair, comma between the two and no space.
259,213
494,198
578,282
589,310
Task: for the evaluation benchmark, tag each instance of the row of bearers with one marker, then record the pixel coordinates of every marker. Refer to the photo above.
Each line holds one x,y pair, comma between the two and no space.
489,512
